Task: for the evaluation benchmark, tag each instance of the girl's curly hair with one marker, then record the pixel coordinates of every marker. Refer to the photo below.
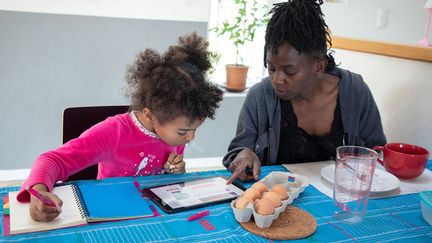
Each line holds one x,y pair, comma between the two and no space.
174,83
301,24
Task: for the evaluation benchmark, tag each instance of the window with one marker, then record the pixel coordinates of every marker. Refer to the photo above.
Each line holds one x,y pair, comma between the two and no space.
252,52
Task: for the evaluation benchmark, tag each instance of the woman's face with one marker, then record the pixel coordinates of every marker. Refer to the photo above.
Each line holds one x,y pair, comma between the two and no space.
178,131
292,74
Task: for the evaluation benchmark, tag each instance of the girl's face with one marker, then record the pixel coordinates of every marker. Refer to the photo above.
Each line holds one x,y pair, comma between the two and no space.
292,74
178,131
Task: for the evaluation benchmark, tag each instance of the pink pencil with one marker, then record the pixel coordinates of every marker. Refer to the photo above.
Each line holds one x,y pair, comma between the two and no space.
199,215
43,199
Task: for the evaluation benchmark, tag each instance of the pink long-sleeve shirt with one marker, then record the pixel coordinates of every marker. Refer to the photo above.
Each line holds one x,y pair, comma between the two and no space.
120,144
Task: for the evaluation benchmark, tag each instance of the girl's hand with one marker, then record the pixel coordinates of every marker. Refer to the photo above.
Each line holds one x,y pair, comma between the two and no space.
41,212
175,164
246,159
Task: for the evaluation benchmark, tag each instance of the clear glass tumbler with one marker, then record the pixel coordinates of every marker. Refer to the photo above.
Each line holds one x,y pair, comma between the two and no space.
354,172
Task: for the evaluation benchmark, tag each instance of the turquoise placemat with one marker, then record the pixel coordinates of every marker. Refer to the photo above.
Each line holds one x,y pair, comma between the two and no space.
396,219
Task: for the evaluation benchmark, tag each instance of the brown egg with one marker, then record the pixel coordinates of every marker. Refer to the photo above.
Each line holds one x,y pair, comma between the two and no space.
242,202
252,194
261,187
280,190
274,197
264,206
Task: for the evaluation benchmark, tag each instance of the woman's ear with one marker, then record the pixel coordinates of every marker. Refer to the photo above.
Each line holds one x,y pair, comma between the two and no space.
320,65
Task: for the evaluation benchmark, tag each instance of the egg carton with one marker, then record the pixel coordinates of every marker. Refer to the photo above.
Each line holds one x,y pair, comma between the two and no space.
293,183
289,180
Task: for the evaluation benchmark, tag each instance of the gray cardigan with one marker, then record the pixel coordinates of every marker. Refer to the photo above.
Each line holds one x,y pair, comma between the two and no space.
258,126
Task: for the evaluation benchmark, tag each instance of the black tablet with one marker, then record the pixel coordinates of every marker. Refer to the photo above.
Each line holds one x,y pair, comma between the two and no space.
192,194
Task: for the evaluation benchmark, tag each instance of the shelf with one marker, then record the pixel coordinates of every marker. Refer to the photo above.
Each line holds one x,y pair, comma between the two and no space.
413,52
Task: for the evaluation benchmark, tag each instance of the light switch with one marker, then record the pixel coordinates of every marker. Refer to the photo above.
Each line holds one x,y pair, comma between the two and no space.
337,1
382,18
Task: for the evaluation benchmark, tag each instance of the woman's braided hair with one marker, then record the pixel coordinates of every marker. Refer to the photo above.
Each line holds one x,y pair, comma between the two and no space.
301,24
174,83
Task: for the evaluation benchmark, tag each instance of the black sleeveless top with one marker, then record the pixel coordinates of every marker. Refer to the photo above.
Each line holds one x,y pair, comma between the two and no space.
297,146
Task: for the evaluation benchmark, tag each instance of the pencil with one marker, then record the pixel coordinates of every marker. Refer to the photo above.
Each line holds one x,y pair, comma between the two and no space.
199,215
41,197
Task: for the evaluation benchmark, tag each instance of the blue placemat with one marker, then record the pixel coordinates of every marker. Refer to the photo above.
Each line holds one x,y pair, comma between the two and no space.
396,219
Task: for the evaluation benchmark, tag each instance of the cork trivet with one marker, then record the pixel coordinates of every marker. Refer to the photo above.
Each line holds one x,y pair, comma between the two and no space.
293,223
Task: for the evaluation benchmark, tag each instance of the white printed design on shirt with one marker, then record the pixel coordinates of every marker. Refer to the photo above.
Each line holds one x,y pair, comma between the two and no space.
142,165
148,165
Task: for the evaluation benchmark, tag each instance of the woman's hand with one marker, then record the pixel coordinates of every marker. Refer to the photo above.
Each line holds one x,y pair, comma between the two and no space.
41,212
244,160
175,164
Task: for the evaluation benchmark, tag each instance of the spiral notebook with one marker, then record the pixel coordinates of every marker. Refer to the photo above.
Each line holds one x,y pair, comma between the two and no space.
83,204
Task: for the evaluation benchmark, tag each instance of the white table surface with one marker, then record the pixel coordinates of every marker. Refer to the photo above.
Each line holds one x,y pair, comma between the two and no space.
192,164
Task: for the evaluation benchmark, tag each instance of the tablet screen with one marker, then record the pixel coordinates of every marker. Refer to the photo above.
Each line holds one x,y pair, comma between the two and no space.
192,194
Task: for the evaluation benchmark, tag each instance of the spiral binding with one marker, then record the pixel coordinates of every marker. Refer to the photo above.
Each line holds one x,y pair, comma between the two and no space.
78,199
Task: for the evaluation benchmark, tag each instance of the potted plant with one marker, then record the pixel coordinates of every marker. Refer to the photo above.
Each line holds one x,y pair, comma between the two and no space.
241,29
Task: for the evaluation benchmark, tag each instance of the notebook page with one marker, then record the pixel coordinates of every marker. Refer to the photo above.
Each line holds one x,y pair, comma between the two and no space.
21,222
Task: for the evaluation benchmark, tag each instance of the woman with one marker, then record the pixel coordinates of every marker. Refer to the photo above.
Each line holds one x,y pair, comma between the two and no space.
307,106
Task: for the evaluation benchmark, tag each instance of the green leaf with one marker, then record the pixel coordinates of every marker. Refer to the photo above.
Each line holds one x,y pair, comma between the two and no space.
241,28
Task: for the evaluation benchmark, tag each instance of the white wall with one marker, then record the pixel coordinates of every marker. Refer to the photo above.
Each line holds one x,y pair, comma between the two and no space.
402,90
57,54
401,87
213,137
400,21
184,10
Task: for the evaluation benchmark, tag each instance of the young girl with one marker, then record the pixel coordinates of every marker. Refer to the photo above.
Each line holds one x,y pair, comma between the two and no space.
170,99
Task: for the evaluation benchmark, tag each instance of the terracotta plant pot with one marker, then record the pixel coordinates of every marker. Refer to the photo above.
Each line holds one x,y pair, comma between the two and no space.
236,77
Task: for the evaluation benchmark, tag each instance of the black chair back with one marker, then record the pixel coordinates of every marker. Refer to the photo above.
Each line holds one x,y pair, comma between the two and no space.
78,119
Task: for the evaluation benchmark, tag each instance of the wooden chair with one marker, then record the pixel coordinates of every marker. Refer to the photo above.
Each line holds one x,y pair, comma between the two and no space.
78,119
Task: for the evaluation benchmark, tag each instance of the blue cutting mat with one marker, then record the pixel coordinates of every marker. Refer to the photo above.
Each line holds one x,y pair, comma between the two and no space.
396,219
